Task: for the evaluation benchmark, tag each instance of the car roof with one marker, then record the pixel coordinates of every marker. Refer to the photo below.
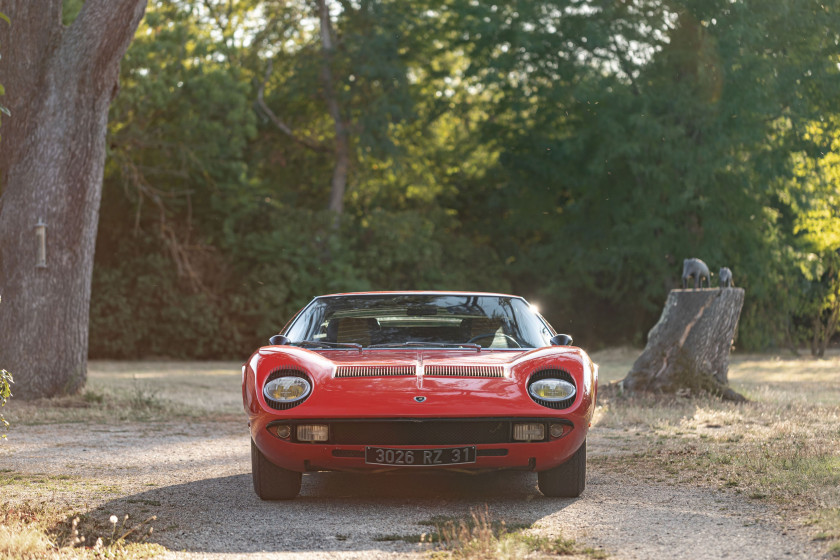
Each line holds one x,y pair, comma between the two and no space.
419,292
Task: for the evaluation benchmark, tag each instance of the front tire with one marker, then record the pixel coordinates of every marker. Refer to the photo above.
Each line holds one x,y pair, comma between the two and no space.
270,481
566,480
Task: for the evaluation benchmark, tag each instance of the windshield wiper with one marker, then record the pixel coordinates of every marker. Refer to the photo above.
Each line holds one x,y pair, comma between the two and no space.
447,345
325,344
428,344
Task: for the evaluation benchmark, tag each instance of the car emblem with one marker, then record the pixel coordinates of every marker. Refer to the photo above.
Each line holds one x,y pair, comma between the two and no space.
419,399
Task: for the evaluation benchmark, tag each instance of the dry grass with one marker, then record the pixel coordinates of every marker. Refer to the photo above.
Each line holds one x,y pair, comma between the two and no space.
146,391
22,542
479,537
116,392
34,532
783,446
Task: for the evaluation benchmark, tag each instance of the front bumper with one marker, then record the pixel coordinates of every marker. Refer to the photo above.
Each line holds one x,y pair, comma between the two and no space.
345,449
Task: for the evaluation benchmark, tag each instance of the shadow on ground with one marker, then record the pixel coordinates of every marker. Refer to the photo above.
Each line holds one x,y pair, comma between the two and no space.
335,511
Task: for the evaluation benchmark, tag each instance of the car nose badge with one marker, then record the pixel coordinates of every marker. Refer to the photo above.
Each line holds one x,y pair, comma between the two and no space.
419,399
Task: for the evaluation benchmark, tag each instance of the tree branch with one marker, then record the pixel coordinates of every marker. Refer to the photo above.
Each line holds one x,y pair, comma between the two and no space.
309,143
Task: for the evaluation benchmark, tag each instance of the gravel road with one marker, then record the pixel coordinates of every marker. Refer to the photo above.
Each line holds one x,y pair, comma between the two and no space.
195,476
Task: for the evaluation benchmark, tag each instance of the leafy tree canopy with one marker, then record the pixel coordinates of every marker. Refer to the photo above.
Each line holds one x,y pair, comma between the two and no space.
573,152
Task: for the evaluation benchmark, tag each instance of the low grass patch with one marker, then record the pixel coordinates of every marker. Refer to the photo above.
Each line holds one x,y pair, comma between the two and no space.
116,392
139,391
827,524
480,537
50,487
783,446
23,543
30,532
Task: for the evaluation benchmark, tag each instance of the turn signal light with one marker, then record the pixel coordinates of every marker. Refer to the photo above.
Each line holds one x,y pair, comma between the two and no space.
559,430
283,431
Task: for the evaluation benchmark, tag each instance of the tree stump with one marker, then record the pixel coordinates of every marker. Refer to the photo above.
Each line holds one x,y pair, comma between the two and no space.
689,347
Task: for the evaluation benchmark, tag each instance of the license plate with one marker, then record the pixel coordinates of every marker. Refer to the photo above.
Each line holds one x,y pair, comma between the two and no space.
419,457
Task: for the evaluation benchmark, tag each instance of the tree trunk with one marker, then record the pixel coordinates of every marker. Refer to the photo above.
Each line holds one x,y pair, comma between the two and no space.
824,333
689,347
338,184
59,85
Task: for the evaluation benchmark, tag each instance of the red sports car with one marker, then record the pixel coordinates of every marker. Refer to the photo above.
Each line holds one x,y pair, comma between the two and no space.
392,381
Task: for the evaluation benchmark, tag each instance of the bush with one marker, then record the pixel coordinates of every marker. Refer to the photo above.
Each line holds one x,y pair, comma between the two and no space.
261,276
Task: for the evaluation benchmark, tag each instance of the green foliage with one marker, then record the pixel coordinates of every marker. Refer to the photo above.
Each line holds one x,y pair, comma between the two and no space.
634,162
573,155
181,126
809,204
70,10
140,309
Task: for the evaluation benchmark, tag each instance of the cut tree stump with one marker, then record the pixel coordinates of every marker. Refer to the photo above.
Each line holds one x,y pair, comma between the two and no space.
688,349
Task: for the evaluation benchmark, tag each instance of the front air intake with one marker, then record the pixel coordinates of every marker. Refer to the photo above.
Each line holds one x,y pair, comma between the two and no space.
463,371
374,371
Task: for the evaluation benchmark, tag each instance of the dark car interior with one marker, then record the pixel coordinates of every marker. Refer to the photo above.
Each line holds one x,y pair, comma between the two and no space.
368,331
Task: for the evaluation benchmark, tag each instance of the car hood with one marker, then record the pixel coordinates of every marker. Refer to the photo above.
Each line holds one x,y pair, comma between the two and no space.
419,382
418,358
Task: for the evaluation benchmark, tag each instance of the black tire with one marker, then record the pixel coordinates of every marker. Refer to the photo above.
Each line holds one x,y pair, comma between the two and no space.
567,480
270,481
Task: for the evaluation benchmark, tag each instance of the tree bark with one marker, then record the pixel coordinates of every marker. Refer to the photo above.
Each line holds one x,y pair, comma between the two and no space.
689,347
338,184
824,332
59,85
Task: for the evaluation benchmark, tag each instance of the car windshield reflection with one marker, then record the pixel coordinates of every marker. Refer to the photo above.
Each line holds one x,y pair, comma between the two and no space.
467,321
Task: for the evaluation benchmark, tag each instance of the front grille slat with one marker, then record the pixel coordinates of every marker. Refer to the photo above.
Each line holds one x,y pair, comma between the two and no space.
429,370
374,371
463,371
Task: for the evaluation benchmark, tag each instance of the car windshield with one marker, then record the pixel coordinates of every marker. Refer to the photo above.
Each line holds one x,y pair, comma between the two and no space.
419,320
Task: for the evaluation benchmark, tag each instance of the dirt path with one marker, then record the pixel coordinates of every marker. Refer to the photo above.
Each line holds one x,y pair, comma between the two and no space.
195,476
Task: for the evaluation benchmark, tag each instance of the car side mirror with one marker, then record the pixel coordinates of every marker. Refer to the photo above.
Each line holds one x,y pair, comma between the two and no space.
561,340
279,340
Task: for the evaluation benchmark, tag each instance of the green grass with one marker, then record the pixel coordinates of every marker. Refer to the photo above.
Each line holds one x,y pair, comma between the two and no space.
413,539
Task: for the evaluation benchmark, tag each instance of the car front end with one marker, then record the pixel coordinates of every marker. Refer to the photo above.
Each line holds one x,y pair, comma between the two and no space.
371,407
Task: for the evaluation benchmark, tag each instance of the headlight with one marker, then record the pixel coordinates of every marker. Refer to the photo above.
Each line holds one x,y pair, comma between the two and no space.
287,390
551,389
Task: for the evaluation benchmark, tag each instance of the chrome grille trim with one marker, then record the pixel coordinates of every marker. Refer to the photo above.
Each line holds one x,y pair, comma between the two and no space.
374,371
463,371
